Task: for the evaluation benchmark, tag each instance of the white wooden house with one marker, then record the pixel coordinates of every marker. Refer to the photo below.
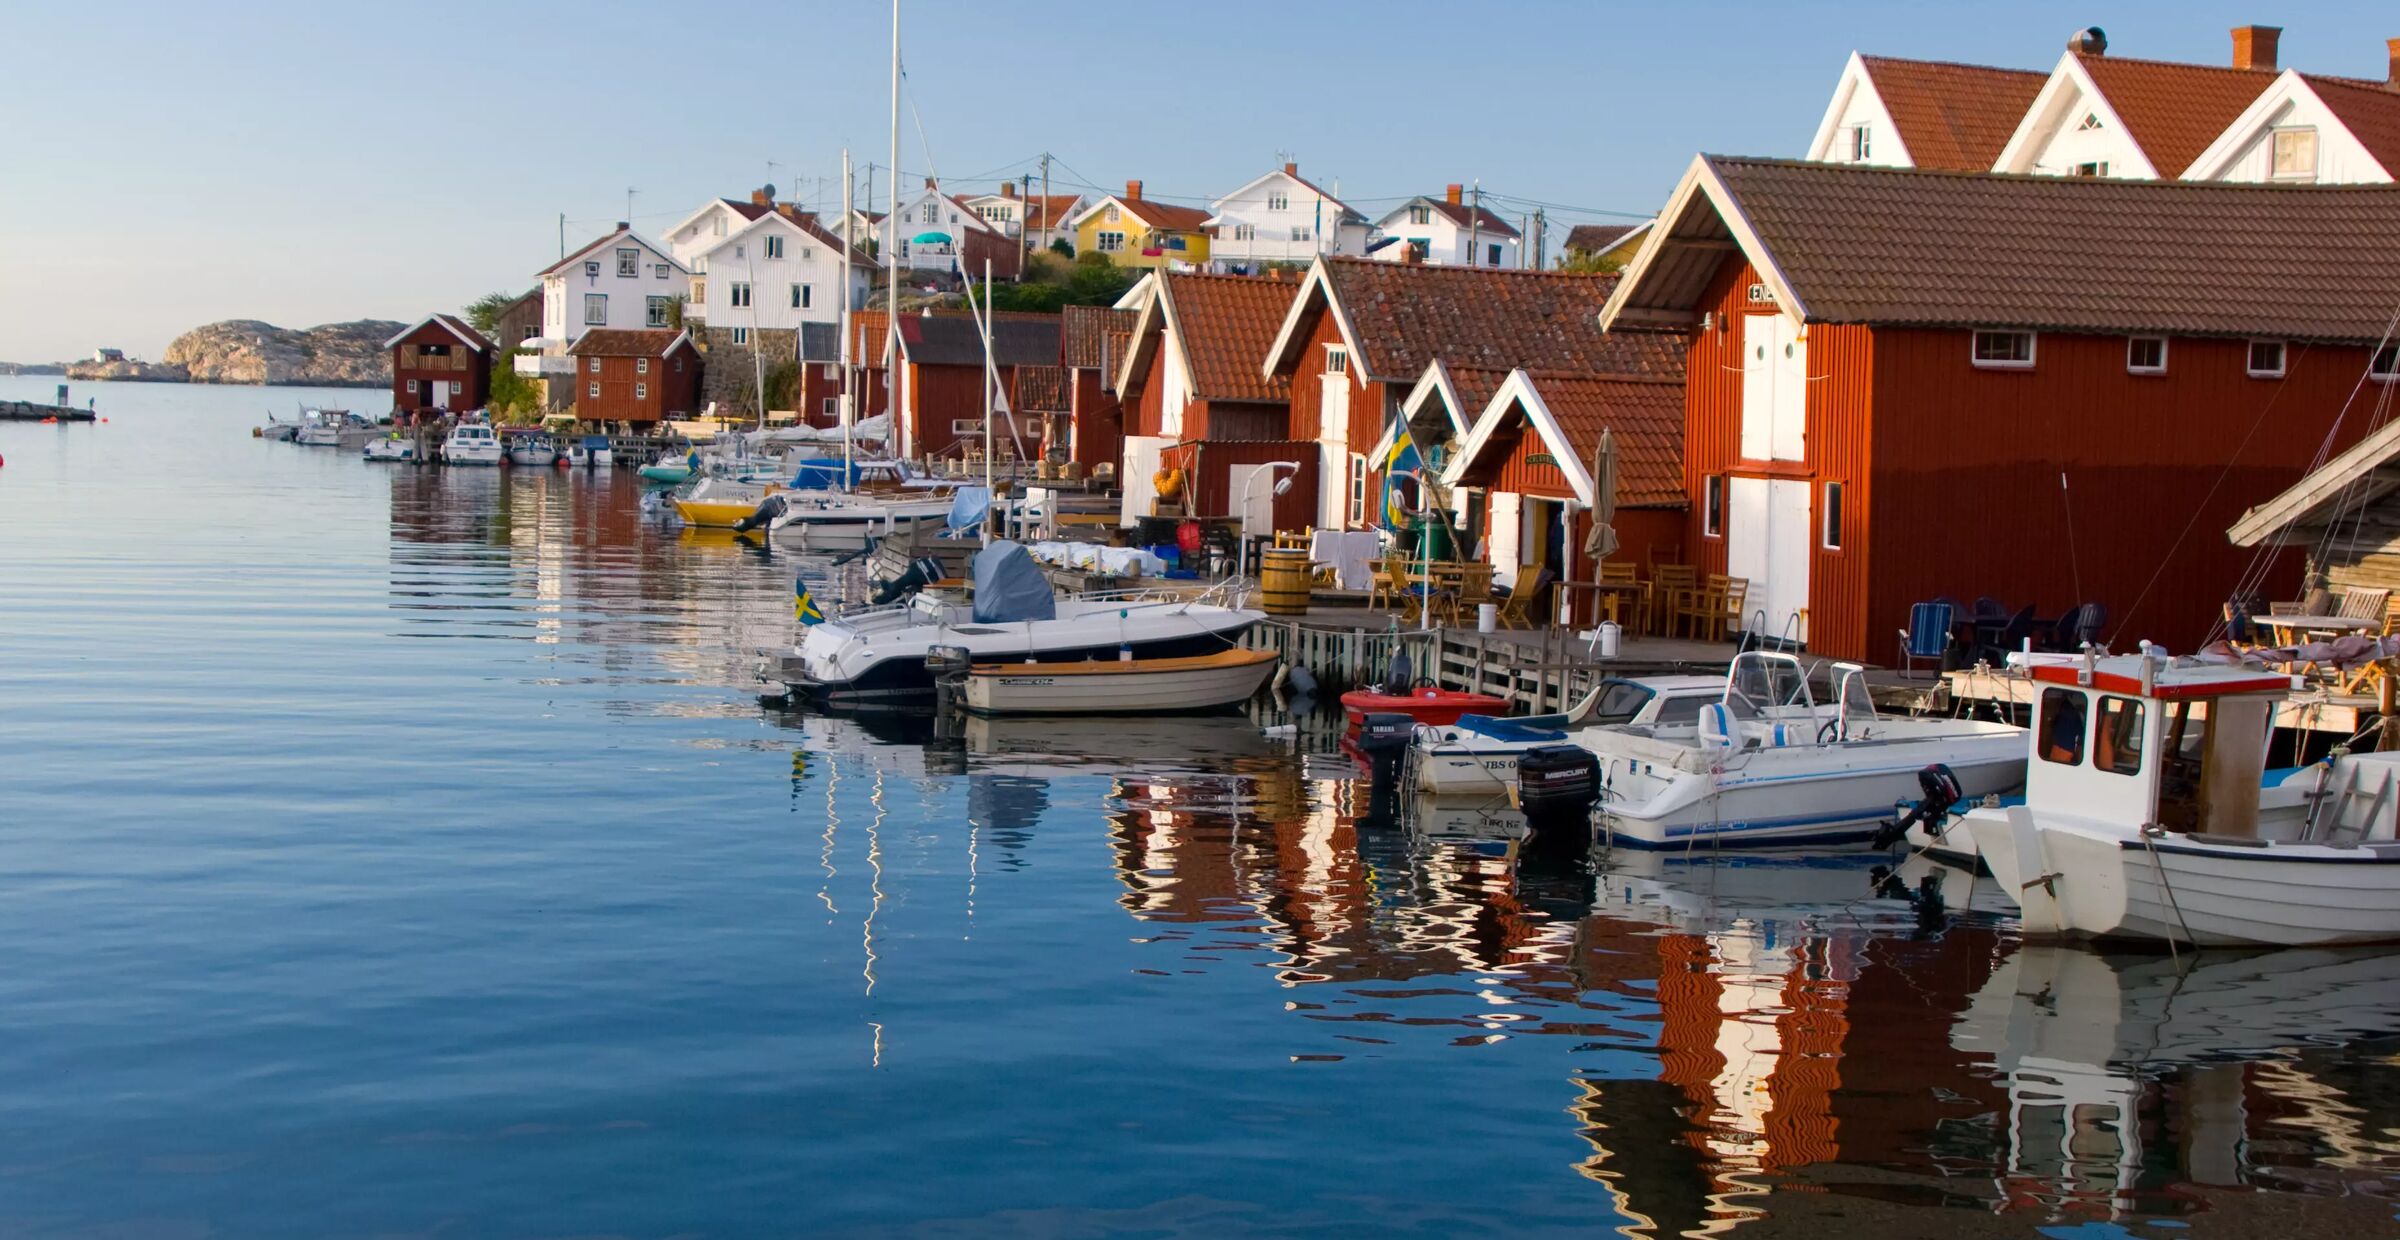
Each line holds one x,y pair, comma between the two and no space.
1281,218
1445,232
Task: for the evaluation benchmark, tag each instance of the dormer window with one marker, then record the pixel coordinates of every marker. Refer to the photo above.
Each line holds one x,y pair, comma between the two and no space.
2296,153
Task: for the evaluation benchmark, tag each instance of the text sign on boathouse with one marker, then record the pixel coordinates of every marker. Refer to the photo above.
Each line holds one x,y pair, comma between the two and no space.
1540,458
1759,296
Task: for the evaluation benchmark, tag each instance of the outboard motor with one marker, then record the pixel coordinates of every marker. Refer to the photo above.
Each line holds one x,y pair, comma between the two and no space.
949,666
1933,913
1557,783
1400,677
921,572
768,509
1942,795
1384,738
1383,735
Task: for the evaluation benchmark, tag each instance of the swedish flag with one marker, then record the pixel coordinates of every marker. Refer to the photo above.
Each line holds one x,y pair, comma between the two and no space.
1402,457
804,604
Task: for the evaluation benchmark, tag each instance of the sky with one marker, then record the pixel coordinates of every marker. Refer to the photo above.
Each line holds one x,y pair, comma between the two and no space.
168,165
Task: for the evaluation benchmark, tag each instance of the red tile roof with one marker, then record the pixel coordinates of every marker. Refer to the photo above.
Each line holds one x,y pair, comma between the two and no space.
1041,389
1084,332
625,342
1407,315
1226,325
1163,215
2174,110
1906,247
2371,112
747,210
1646,416
1040,209
1461,214
1952,116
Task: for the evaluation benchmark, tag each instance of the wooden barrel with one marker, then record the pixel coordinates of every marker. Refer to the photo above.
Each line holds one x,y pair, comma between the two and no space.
1283,582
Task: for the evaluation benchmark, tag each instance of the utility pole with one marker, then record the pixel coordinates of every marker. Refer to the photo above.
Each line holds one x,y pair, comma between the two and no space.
629,193
1541,239
562,236
1475,226
1048,225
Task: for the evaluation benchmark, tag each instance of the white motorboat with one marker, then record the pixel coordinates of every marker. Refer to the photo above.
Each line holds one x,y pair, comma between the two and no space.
392,447
591,452
332,428
471,443
2145,816
277,430
878,656
1766,764
1477,756
535,449
1119,686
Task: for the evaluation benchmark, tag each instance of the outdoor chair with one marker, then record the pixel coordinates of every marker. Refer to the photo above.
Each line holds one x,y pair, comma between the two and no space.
1516,612
1671,587
1389,582
1927,635
2363,604
1612,573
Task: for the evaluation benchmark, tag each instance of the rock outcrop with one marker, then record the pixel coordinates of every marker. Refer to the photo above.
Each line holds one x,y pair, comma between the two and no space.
126,369
248,351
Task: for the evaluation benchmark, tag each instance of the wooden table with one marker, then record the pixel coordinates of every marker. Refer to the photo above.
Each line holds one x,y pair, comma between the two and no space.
1464,582
1610,597
2286,626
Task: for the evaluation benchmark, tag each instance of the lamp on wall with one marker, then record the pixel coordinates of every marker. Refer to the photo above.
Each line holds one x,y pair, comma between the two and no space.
1282,471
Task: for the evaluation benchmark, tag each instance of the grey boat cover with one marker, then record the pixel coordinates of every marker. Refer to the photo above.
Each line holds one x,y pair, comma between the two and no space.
1010,586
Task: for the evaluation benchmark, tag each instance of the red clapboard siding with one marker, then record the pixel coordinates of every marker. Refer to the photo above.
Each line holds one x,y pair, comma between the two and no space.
1207,466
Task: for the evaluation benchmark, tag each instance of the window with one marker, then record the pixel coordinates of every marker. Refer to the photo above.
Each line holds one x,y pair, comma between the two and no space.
412,387
741,335
2004,350
2146,355
629,264
1862,143
829,407
1337,360
720,229
641,391
654,310
595,308
1279,202
641,365
1420,215
1301,232
1358,489
595,366
932,213
591,271
2266,359
595,391
659,270
802,296
700,291
738,293
2384,367
2094,168
828,370
1831,513
1491,255
2295,152
2091,121
1684,709
1245,232
1712,506
2117,742
774,247
2061,736
1109,242
740,250
1111,215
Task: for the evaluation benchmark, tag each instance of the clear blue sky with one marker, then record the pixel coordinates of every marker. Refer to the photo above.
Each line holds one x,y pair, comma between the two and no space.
168,165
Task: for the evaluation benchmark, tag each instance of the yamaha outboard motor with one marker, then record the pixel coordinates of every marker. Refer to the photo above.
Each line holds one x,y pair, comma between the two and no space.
1942,795
768,509
1384,739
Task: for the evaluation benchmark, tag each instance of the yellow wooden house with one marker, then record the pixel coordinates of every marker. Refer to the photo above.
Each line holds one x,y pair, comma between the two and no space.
1134,231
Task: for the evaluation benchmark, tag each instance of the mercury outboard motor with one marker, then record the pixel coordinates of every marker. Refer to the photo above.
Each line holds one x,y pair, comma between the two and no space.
1557,782
768,509
921,572
1942,795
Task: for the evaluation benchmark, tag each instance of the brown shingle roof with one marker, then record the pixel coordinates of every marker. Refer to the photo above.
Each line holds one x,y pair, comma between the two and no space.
1227,324
1041,389
1892,246
625,342
1952,116
2173,110
2370,112
1164,215
1084,334
1595,238
1647,418
1407,315
1461,214
953,340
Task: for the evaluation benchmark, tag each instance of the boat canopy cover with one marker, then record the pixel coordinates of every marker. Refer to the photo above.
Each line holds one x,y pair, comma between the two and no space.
1010,586
825,475
967,508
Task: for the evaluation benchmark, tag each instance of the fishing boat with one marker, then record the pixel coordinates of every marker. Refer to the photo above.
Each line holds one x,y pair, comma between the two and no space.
1477,755
1426,704
1119,686
878,656
2146,816
534,448
1767,764
332,428
391,447
471,443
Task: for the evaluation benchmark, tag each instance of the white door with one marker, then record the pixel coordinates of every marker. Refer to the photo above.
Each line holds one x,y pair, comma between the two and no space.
1503,532
1333,450
1789,357
1253,497
1139,485
1758,385
1766,543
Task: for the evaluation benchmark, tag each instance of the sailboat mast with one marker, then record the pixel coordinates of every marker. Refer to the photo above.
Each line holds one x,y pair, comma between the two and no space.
891,259
842,320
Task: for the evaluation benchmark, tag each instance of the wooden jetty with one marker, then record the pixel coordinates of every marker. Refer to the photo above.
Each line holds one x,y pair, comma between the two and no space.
30,411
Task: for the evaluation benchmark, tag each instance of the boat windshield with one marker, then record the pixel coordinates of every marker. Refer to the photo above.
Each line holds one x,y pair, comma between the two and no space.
1760,683
1621,700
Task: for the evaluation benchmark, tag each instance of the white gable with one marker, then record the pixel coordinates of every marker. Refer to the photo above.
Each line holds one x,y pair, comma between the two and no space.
2070,130
2246,150
1856,117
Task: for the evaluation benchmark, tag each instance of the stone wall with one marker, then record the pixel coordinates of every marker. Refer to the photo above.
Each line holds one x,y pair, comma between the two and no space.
730,375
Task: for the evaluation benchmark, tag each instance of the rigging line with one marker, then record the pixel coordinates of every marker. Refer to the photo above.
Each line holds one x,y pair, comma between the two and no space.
2375,422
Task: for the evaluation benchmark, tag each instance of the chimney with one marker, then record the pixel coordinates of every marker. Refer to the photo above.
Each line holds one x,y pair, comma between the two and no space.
2391,80
623,226
762,197
787,211
2254,47
1291,170
1133,189
1008,189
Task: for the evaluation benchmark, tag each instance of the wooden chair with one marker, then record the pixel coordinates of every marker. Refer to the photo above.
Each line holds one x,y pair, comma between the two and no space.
1716,607
1516,611
1612,573
1389,582
2363,604
1671,587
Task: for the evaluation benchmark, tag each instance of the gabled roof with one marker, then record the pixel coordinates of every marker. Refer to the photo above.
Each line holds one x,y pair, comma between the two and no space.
2369,111
1222,325
1463,391
1348,214
456,326
1398,318
629,342
1150,211
1569,412
803,222
2173,111
605,242
1041,389
1084,332
1838,243
1951,116
952,340
967,216
2337,490
1457,213
1602,238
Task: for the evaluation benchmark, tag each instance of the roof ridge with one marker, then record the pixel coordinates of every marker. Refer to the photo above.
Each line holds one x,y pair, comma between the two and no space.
1380,264
2155,184
2088,58
1952,64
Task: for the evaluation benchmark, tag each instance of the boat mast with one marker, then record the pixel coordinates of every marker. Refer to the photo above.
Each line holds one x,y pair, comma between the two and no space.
842,320
891,262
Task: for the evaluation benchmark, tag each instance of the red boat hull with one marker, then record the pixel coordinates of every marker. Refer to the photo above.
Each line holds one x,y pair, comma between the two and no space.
1438,707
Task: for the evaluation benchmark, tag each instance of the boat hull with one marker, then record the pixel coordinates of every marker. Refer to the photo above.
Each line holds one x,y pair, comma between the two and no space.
1776,799
1479,758
389,450
1432,707
536,457
1120,687
905,682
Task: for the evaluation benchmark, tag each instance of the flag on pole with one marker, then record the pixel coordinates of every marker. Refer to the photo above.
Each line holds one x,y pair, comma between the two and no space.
804,604
1401,458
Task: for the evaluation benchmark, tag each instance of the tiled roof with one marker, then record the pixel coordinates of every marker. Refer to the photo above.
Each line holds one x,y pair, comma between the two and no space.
1462,215
1647,418
1476,386
1041,389
1227,324
1406,315
1120,339
1891,246
1039,209
2370,112
818,342
1084,331
2174,110
625,342
747,210
1953,116
952,340
1595,238
1164,215
868,329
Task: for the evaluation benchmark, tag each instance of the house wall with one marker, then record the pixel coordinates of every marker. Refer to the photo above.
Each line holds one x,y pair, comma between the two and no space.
822,381
670,387
470,369
1273,242
939,396
518,323
563,291
1099,420
2340,159
1860,105
1207,467
2058,143
696,238
1644,535
972,239
1370,403
1137,237
1446,244
806,261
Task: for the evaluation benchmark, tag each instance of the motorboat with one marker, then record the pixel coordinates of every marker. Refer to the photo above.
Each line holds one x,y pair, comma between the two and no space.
2146,814
1427,704
1767,764
591,452
332,428
672,468
1119,686
534,448
878,656
391,447
471,443
1477,755
278,431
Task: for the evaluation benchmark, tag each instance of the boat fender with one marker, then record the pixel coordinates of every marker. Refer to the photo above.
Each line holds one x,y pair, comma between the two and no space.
768,509
1302,681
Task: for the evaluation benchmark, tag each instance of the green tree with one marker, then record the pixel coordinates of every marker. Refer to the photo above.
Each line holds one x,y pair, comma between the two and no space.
515,400
1097,281
1580,263
1062,247
483,313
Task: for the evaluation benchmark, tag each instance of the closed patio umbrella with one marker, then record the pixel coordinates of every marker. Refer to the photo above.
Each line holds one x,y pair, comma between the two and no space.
1602,542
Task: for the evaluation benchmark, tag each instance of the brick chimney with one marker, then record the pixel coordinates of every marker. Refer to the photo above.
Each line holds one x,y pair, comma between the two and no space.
2254,47
787,211
623,226
761,198
2391,80
1133,190
1455,193
1291,170
1008,189
930,183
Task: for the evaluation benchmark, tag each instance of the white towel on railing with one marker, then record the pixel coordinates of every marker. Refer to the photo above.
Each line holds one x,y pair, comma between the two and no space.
1351,552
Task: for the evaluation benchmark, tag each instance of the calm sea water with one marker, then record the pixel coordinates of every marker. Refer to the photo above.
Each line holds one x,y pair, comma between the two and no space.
394,851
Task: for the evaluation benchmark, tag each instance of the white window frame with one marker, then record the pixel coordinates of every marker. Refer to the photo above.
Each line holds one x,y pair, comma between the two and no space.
829,407
1862,143
2133,367
655,310
1420,214
659,269
641,391
1358,488
741,336
1337,359
1975,340
1245,232
1300,232
595,366
2283,359
803,296
1829,516
595,309
2091,168
641,365
1112,214
412,387
2275,141
591,269
2383,365
629,264
595,390
737,294
1108,242
774,247
1279,202
1712,506
931,213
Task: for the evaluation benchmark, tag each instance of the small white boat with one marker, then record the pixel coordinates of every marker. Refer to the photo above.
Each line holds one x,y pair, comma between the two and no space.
392,447
2145,816
591,452
471,443
1477,756
277,430
332,428
1120,686
535,449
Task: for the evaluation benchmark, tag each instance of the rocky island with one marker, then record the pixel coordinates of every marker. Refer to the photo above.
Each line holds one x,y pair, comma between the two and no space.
248,351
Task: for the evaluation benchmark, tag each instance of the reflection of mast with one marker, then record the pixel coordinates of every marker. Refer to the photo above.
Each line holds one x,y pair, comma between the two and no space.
866,928
833,818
